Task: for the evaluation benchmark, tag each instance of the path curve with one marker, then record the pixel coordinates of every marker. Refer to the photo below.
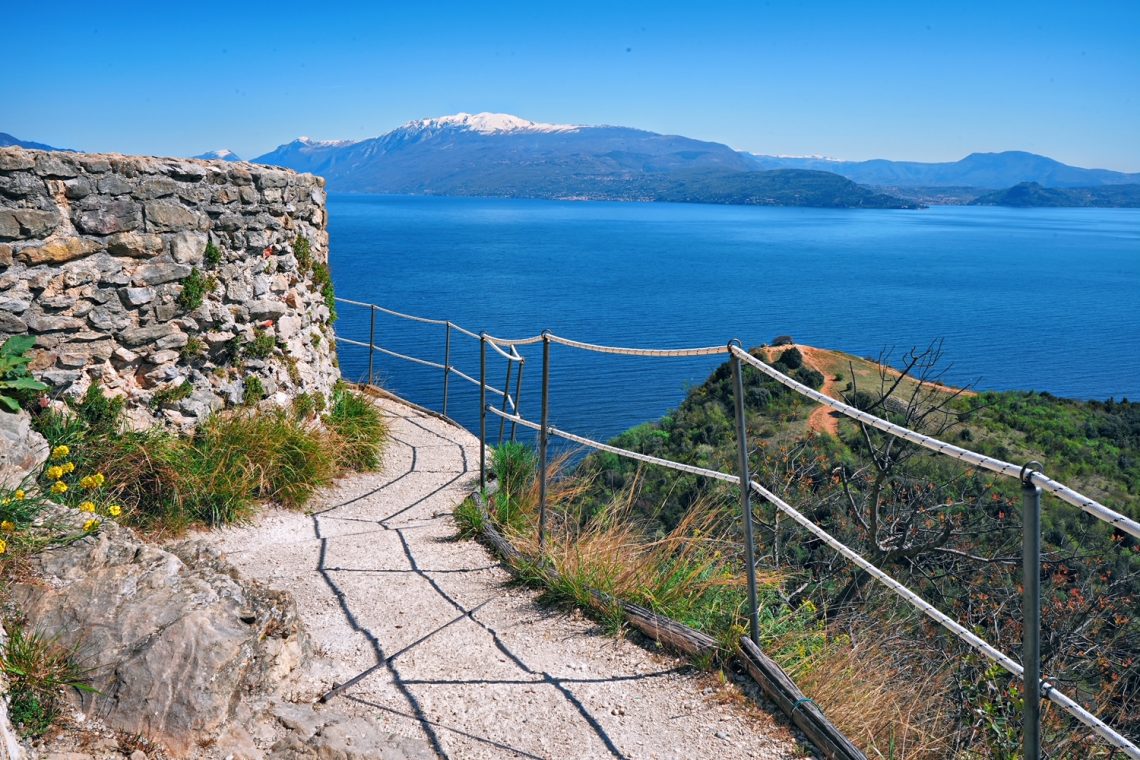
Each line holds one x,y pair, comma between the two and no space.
426,635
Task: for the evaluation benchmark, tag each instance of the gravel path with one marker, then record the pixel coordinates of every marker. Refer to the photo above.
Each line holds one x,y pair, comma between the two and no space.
424,634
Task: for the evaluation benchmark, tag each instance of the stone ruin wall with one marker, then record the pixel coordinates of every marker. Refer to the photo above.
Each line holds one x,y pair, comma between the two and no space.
96,250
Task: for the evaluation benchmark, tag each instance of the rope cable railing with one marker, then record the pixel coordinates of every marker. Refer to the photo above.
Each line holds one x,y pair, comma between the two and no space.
1030,478
976,642
1059,490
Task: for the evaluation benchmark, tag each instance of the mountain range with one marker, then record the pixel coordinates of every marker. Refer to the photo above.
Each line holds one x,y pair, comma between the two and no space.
501,155
504,155
7,141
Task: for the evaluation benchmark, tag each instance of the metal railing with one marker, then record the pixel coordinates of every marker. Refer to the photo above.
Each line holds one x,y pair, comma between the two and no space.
1031,478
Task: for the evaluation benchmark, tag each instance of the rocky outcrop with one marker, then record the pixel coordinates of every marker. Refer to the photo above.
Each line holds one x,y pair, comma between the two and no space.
145,273
22,450
184,651
174,640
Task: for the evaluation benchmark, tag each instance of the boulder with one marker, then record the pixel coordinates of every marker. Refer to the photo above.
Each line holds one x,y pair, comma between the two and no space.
175,639
22,450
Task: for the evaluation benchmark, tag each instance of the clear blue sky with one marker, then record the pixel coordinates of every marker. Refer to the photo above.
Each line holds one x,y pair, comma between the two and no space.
906,80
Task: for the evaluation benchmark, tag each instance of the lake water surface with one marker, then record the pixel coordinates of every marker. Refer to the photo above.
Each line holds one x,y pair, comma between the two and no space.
1045,299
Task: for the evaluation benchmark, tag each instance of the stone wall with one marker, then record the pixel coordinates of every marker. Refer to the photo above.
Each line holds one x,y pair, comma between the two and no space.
102,256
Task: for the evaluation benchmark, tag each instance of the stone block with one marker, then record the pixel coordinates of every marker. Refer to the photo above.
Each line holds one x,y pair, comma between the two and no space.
158,273
266,309
55,165
188,247
58,251
22,450
15,159
107,217
169,216
138,245
136,296
141,336
113,184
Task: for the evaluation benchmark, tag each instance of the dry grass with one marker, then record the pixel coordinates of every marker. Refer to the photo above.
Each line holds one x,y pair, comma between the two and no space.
889,709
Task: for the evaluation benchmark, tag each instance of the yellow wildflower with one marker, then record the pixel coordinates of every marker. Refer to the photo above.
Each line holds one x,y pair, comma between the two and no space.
3,546
90,525
87,506
59,487
60,452
7,526
92,481
55,472
114,510
68,467
20,495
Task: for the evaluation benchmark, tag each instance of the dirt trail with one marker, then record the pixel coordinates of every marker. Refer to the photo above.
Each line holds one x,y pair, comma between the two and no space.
430,639
822,419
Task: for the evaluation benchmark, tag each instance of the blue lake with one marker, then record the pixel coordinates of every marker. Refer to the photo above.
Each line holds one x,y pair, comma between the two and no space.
1045,299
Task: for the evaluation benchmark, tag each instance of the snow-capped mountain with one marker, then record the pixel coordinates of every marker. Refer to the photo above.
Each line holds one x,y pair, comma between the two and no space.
219,155
501,154
485,123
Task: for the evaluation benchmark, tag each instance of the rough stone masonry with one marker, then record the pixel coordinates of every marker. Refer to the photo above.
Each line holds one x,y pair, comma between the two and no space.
145,274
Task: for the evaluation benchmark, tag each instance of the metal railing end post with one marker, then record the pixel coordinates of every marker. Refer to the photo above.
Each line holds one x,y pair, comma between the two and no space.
482,411
1031,612
543,440
745,496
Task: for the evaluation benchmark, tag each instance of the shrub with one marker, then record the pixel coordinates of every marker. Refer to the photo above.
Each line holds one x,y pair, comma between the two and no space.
97,412
15,380
262,345
322,278
194,348
357,423
213,255
810,377
195,286
792,358
782,340
303,250
254,391
172,394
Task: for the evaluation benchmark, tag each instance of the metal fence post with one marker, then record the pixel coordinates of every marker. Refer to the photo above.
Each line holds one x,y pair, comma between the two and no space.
745,493
542,439
506,395
1031,625
518,395
446,364
482,411
371,338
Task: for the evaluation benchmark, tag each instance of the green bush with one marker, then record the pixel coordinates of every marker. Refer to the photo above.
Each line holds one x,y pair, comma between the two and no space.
195,286
15,380
254,391
810,377
172,394
262,345
322,278
213,255
303,250
791,359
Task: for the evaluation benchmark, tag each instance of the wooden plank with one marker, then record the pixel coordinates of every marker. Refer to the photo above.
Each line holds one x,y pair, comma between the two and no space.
804,713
